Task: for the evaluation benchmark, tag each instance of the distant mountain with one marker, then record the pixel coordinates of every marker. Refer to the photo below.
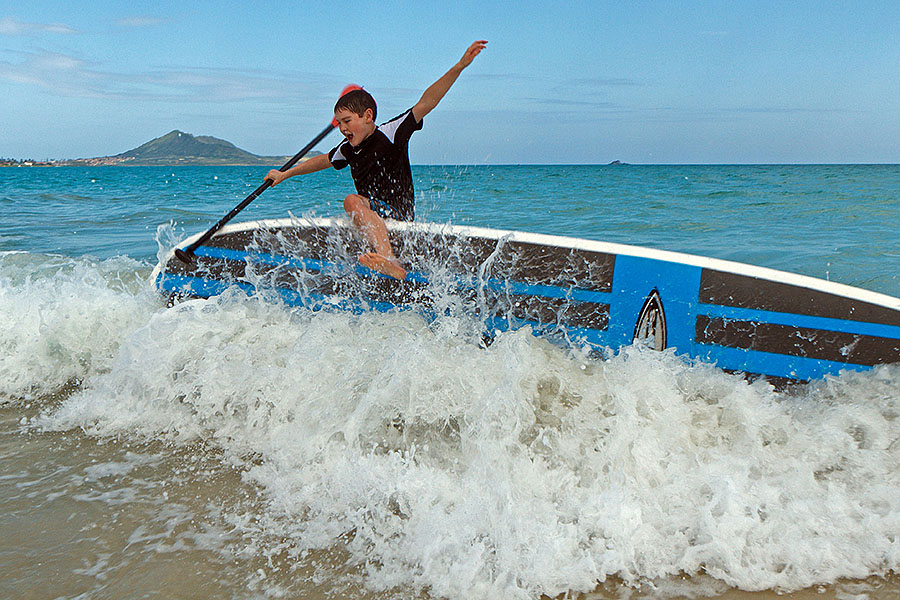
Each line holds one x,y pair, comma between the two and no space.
185,148
180,148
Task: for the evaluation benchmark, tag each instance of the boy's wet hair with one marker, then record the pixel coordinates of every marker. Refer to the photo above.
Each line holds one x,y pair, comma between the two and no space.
357,101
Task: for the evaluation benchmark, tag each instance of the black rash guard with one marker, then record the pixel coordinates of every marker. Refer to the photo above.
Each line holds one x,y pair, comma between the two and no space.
380,167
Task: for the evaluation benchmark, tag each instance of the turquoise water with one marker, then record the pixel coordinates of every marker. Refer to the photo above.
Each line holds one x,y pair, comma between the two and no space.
235,448
836,222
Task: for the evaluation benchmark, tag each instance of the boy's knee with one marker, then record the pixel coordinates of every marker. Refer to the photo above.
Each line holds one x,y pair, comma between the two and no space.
355,203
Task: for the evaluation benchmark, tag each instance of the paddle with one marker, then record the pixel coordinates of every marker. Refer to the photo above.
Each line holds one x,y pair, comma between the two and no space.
186,255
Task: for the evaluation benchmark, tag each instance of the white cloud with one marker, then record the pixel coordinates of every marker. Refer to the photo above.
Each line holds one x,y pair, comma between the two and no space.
69,76
13,27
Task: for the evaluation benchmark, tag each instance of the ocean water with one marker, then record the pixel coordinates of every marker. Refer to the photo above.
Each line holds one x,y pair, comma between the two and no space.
236,448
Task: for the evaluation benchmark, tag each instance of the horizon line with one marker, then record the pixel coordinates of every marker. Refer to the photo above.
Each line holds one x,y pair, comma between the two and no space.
54,162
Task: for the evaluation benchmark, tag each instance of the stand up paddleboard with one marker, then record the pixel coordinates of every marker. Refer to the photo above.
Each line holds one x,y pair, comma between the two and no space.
741,318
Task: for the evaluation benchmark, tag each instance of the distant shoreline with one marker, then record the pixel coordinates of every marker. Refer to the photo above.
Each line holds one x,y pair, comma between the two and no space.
173,149
102,162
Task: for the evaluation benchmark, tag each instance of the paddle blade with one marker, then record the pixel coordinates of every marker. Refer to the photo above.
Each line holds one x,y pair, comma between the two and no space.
183,256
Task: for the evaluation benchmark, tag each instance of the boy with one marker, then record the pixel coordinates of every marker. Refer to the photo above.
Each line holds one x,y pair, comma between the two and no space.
379,163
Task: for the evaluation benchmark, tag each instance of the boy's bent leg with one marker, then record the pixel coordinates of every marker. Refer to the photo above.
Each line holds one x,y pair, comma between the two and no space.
375,231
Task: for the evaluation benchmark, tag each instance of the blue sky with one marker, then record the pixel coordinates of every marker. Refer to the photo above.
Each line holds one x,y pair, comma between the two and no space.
560,82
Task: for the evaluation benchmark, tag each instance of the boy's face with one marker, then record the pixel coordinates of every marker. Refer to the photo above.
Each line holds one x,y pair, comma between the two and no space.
355,127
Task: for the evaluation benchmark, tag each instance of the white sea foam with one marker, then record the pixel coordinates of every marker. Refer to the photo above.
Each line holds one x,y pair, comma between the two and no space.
507,471
63,318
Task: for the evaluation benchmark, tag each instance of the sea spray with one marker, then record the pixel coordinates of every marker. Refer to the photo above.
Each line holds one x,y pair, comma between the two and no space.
510,470
63,318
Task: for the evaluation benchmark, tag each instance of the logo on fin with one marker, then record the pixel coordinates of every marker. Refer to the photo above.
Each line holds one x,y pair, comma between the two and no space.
650,329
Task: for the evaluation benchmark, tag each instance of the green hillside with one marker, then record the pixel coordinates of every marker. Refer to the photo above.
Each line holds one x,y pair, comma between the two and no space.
180,148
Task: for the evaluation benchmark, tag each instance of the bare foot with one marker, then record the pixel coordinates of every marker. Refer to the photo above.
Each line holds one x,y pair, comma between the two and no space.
383,264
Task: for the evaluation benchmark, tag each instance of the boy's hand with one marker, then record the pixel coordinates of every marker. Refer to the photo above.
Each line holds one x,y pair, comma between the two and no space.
436,90
276,176
472,52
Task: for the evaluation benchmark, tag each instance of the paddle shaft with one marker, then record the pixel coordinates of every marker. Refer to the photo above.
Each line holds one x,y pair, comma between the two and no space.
186,255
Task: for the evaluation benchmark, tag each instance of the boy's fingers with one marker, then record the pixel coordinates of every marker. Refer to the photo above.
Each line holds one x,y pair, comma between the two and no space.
473,50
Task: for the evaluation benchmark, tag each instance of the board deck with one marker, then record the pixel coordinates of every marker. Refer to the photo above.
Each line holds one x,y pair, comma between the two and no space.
742,318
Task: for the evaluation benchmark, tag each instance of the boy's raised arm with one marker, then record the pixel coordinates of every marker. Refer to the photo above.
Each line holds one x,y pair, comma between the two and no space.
439,88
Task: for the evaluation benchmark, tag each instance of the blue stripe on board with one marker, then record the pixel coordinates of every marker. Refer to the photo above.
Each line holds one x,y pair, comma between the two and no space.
208,288
306,264
796,320
548,291
634,279
777,365
260,257
194,286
